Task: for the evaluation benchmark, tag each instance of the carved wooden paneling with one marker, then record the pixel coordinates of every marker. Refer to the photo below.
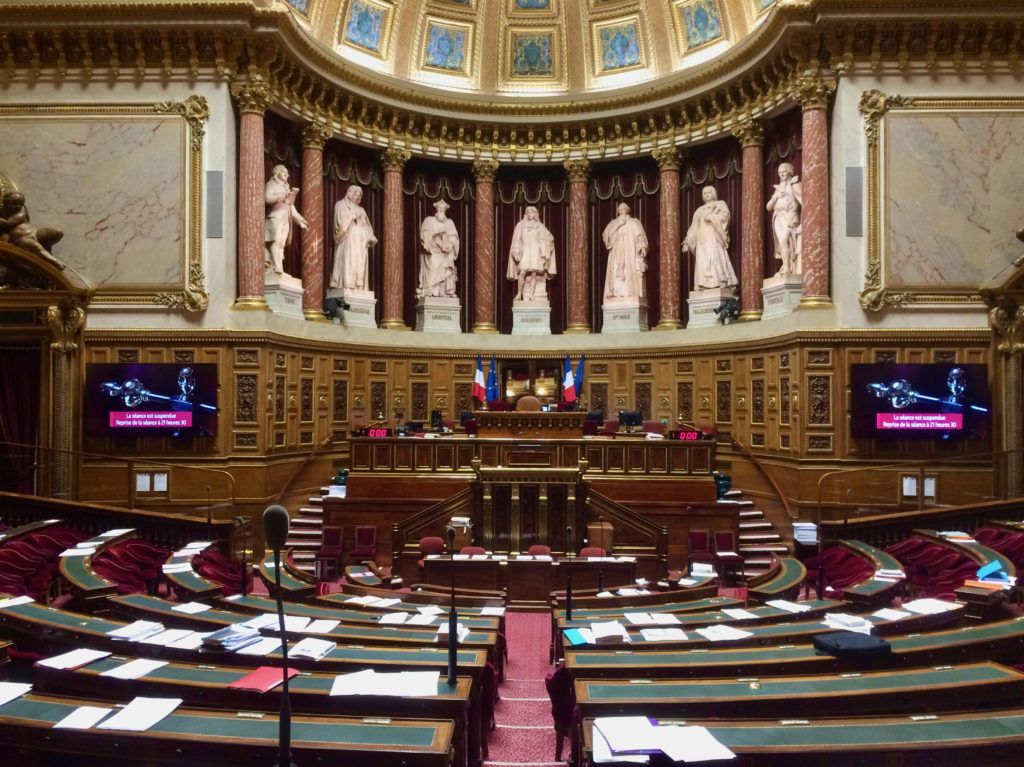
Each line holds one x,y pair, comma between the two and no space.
819,357
819,395
463,397
723,365
184,356
784,441
784,360
127,355
945,355
757,401
462,369
306,362
339,404
723,401
684,395
247,357
420,368
379,366
340,365
642,398
419,408
280,360
684,366
305,438
887,356
306,400
757,363
279,439
279,399
246,440
245,398
598,369
599,397
642,368
784,400
757,439
819,443
379,399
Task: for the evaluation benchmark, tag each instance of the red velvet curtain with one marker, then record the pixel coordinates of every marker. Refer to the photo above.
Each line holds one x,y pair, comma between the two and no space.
717,164
346,164
282,145
424,182
546,187
638,184
782,144
19,416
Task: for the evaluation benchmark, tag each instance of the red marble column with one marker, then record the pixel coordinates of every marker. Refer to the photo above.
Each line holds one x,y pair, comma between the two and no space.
253,99
813,94
394,159
578,272
751,136
668,254
484,267
314,136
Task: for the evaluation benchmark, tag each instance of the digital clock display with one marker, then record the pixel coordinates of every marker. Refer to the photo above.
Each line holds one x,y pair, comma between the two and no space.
376,431
685,434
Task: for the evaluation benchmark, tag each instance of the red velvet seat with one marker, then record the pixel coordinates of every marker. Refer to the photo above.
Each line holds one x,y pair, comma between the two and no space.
431,544
726,554
473,550
365,543
592,551
563,705
539,550
327,559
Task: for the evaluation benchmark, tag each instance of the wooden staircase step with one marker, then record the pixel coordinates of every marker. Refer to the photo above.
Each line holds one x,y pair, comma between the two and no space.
756,524
751,513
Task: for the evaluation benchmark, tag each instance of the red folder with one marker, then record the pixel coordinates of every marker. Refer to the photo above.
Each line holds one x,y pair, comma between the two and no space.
262,679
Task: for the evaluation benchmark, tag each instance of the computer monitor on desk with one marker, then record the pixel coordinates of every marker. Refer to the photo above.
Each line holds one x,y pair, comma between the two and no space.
630,420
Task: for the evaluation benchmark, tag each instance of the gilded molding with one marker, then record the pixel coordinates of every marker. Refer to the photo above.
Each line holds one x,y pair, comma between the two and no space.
873,105
65,321
577,170
196,112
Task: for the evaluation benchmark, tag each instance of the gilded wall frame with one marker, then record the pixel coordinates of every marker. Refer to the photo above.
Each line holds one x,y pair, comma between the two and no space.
944,182
76,159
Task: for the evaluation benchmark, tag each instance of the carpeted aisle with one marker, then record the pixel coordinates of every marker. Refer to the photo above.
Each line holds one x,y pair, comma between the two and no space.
525,735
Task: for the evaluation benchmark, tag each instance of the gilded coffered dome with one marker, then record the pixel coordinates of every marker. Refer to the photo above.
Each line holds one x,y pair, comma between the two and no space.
514,50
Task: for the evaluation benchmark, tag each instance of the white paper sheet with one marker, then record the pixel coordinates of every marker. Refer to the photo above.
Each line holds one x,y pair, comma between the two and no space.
134,669
739,613
73,659
627,733
82,718
690,744
311,647
15,601
393,619
492,612
191,608
663,635
430,609
263,620
193,641
639,619
421,620
11,690
76,552
930,606
790,607
889,614
137,630
262,647
356,683
665,619
140,714
723,633
321,626
168,637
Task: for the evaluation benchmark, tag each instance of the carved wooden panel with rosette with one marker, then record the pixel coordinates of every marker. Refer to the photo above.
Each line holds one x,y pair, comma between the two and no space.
306,362
280,360
420,394
757,439
599,397
340,365
245,398
757,401
684,394
723,401
279,399
598,369
419,368
819,395
306,400
723,366
642,398
378,366
463,398
757,363
245,440
784,360
819,357
339,401
464,369
684,366
784,400
246,357
379,399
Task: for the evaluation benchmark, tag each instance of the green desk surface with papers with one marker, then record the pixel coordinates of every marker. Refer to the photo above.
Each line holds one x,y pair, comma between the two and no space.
618,609
783,580
203,684
816,608
909,690
999,642
874,590
295,586
208,737
987,738
187,583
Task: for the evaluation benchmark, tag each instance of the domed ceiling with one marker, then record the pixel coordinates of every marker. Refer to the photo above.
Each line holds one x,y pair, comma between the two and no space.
511,49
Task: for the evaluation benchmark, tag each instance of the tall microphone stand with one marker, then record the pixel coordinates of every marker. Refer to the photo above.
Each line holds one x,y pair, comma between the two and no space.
453,617
600,566
284,755
568,576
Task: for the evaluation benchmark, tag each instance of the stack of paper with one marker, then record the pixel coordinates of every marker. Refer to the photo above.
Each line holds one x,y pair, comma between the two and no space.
609,632
805,532
191,549
739,613
639,619
15,601
665,619
848,622
442,633
421,620
167,637
140,714
930,606
191,608
136,631
892,574
263,620
401,684
723,633
492,612
262,647
630,738
116,532
134,669
232,638
702,568
321,626
789,607
311,647
11,690
82,718
430,609
663,635
69,661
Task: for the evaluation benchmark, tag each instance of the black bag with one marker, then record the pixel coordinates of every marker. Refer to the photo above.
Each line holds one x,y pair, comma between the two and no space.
850,644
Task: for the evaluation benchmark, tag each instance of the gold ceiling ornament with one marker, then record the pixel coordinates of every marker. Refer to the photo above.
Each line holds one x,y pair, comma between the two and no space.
196,112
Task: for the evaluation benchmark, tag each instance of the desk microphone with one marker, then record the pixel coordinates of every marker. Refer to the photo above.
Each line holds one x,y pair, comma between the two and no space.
453,618
568,576
275,533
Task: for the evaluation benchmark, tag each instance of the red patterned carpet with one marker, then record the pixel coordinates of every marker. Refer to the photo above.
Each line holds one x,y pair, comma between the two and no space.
525,736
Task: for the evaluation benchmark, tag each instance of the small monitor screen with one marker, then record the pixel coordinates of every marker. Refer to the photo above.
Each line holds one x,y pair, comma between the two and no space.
155,399
596,415
464,416
435,419
630,419
934,400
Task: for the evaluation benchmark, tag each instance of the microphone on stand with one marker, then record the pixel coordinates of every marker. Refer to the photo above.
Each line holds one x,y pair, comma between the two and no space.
453,618
568,576
275,533
600,566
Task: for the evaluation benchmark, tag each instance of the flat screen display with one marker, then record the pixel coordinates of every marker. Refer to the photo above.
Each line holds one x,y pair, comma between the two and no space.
919,401
150,399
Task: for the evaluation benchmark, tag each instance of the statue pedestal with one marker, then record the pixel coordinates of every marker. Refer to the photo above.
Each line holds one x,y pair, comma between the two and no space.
438,314
703,303
362,305
531,318
283,294
781,294
624,315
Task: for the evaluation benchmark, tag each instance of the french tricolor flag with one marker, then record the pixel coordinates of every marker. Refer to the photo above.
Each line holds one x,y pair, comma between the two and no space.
568,384
479,387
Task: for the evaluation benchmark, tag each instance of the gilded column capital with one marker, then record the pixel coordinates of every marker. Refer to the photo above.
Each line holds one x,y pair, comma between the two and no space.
1006,316
667,157
749,131
65,321
812,90
252,96
485,170
315,134
578,170
395,158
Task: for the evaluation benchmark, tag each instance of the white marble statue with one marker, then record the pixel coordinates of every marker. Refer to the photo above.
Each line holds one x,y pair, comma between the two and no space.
440,244
627,256
708,240
277,229
531,258
353,236
786,204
